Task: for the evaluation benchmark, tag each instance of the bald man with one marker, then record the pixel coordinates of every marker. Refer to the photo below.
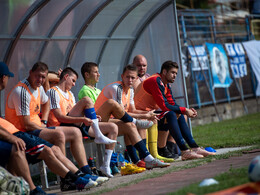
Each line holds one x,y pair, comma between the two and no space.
141,63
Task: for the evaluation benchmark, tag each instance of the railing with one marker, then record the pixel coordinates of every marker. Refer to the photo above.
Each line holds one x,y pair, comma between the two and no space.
199,26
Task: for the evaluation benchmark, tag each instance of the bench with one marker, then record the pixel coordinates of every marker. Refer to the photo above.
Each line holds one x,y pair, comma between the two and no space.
98,152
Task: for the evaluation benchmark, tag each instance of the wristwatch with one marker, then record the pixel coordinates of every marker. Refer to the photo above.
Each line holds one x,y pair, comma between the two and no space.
44,122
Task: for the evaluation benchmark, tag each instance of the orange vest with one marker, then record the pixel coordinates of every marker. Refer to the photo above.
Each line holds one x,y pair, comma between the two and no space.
102,98
35,107
144,100
8,126
65,106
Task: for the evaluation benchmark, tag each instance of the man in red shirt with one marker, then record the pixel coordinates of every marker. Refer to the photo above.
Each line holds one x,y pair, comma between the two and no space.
155,93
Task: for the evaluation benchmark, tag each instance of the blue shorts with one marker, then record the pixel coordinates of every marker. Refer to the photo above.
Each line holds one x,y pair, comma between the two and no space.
163,124
37,132
34,146
5,151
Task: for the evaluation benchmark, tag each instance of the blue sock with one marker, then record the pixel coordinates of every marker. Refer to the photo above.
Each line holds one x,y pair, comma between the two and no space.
132,153
90,113
141,148
126,118
86,169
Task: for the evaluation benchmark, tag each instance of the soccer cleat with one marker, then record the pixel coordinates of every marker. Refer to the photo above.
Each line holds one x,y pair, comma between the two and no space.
167,160
82,183
189,155
95,178
155,163
164,152
130,169
202,152
37,191
67,185
140,163
106,171
142,124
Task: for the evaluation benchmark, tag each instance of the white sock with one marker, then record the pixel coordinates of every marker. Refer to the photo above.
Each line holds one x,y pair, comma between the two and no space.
149,158
99,137
106,171
134,121
107,157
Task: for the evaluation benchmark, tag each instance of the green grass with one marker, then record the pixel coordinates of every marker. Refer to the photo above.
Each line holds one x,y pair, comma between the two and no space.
233,177
241,131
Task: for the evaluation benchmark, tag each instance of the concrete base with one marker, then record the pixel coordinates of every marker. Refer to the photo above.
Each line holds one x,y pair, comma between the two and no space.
226,111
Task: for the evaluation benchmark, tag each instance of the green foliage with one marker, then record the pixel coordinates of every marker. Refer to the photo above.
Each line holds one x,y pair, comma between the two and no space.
241,131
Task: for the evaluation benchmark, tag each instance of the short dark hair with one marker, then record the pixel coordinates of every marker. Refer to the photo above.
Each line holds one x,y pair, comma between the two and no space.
69,71
169,65
86,67
130,67
39,66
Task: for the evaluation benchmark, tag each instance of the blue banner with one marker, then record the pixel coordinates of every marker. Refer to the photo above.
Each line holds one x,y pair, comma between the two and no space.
219,66
237,59
199,59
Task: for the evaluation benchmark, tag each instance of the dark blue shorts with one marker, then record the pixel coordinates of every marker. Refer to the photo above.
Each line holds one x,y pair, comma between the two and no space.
83,128
5,151
163,124
34,146
37,132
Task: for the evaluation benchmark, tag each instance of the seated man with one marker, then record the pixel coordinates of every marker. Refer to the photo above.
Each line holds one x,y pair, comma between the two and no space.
23,106
127,125
66,112
123,93
157,93
157,143
18,143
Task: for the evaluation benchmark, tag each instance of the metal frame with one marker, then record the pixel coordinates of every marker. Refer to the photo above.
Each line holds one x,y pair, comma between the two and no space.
56,25
20,28
113,29
79,34
142,28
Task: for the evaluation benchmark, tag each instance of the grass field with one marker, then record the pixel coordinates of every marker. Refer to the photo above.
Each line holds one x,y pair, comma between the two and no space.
241,131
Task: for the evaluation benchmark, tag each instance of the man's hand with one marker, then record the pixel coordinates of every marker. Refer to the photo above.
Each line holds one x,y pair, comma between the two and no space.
192,113
19,143
87,121
99,118
152,116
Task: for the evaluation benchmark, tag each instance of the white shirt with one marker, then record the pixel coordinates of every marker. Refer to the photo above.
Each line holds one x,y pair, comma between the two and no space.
19,99
55,98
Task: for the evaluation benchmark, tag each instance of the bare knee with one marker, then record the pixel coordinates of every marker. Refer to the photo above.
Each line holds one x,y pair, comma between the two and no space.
17,154
129,129
46,153
59,138
56,151
113,129
113,103
77,133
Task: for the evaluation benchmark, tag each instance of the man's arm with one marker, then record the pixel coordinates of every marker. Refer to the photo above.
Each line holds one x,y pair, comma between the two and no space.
27,124
6,136
149,115
156,88
45,110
